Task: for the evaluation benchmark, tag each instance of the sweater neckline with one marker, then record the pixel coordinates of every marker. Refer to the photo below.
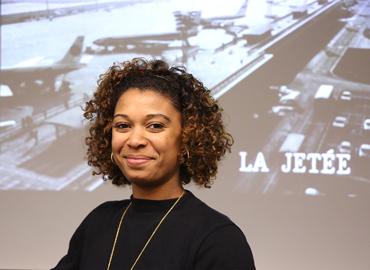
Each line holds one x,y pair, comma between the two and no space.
145,205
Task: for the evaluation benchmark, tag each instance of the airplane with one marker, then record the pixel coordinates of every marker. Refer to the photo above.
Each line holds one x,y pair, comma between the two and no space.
224,21
23,80
153,43
188,25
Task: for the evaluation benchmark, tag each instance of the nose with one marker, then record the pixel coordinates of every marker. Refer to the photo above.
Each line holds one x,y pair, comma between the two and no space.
137,138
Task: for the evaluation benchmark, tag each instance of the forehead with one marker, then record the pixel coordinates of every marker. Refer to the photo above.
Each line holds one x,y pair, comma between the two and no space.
144,101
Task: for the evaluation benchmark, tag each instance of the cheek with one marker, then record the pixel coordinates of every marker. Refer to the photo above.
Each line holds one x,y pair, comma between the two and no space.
166,144
173,144
117,141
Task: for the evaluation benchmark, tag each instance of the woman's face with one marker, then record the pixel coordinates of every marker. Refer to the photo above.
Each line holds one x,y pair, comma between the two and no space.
146,138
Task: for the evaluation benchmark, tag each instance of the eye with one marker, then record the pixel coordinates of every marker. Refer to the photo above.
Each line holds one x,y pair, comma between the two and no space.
121,126
156,127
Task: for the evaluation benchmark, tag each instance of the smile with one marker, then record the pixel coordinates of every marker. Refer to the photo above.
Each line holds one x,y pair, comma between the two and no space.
137,160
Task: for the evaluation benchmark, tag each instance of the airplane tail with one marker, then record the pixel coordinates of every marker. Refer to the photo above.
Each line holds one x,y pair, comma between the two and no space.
243,9
73,55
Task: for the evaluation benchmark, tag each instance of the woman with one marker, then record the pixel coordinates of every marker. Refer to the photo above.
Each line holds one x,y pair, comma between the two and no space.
155,128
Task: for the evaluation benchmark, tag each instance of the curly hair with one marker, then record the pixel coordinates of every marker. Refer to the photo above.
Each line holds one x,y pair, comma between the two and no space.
204,139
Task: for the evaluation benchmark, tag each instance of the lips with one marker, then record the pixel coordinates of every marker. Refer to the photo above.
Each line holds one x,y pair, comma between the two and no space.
136,160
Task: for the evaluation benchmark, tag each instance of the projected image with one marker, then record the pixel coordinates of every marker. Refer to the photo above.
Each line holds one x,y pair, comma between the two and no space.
292,77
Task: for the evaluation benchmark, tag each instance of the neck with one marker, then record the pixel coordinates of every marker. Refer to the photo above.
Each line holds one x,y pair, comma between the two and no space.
157,193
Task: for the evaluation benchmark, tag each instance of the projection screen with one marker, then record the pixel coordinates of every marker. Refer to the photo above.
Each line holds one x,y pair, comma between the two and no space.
293,78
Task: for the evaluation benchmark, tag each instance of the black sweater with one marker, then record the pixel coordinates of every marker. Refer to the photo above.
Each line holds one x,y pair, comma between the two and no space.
193,236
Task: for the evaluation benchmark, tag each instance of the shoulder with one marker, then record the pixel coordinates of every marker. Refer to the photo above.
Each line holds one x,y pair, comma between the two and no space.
222,244
203,213
207,221
105,212
89,231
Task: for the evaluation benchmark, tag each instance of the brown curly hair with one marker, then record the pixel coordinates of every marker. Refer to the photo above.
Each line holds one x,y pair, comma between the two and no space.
204,139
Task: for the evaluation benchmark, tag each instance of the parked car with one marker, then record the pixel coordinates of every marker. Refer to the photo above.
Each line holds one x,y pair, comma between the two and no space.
345,147
340,121
364,150
345,96
366,125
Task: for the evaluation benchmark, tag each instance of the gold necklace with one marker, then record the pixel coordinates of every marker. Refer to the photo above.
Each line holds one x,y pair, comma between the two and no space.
150,237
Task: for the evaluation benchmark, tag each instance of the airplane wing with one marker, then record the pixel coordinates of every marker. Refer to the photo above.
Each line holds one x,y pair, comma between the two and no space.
125,40
19,78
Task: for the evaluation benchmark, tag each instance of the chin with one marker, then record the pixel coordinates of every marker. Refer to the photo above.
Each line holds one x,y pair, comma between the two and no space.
146,183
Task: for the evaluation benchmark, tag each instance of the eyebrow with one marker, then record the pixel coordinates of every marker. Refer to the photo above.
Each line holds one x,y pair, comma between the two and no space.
147,117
